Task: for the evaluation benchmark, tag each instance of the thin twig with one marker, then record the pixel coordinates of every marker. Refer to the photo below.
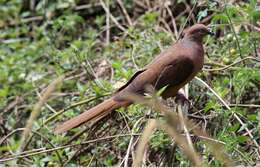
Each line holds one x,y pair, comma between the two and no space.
227,106
111,16
173,22
91,160
187,134
46,104
211,139
168,28
190,13
73,105
18,156
130,145
133,57
231,65
107,23
87,6
125,12
245,105
233,30
31,151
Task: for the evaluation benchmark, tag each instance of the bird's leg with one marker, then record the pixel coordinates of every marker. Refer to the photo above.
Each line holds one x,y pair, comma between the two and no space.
183,103
181,98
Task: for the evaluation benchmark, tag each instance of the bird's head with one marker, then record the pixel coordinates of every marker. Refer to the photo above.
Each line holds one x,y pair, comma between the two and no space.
197,32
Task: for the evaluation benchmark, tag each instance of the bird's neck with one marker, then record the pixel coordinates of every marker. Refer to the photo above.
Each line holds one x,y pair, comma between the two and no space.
194,38
191,41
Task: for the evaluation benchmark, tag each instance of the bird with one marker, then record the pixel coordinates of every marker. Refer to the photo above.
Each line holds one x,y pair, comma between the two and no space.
172,68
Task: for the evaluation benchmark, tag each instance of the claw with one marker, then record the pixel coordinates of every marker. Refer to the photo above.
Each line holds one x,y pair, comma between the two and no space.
182,99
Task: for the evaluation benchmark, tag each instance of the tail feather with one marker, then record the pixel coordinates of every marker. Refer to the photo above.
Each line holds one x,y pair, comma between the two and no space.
101,109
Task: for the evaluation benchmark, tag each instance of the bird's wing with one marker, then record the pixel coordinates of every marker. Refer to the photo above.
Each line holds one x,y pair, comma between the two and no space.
175,73
131,80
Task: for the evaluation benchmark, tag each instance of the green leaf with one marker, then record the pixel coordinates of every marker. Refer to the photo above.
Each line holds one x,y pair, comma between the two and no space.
202,14
80,87
4,91
254,117
234,128
242,139
210,105
117,64
220,17
159,92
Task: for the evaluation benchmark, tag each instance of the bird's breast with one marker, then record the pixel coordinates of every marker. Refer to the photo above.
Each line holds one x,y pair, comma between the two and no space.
195,52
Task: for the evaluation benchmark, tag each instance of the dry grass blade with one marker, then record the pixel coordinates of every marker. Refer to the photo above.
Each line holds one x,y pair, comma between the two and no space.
185,129
36,110
131,145
181,141
148,131
170,126
216,148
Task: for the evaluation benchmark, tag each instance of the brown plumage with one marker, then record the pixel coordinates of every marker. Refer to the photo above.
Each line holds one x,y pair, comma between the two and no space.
173,68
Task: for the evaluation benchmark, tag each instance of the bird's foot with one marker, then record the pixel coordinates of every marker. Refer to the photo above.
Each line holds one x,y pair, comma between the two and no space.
180,98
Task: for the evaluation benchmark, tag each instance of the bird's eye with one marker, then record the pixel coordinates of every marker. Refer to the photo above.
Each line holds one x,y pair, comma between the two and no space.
201,31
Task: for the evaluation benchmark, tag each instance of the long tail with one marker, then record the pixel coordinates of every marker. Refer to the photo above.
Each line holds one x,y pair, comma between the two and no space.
101,109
